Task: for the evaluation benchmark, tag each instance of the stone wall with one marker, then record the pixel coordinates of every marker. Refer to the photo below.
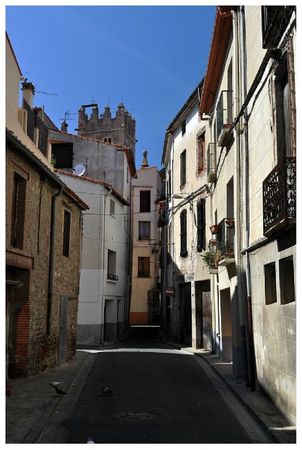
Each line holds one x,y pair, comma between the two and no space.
31,348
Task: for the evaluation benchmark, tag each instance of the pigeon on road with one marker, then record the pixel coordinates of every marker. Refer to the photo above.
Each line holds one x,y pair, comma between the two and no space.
57,389
106,390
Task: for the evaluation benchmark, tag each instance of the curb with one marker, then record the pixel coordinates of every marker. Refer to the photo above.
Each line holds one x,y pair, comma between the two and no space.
265,428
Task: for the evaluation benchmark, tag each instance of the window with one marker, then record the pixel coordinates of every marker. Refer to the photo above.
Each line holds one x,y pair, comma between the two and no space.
287,282
284,125
144,230
183,127
66,232
111,266
201,226
63,155
201,153
143,267
275,20
183,233
145,203
18,211
112,207
183,168
270,283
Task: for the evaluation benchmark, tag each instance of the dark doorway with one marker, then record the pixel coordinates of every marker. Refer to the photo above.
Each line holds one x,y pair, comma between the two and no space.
203,314
186,322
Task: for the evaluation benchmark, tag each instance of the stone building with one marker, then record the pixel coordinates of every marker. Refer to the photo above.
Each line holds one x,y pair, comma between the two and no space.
43,239
116,130
147,190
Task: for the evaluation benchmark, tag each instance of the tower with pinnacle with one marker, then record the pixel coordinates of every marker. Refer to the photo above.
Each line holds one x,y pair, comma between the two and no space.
118,130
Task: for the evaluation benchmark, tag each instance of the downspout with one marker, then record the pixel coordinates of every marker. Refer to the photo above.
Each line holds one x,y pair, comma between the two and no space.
104,280
52,258
238,202
245,190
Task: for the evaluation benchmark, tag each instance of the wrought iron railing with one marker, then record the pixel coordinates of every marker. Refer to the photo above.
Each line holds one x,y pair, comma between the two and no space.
211,162
223,112
279,196
111,276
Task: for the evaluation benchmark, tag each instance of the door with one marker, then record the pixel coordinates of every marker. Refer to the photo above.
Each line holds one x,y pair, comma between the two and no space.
63,328
185,297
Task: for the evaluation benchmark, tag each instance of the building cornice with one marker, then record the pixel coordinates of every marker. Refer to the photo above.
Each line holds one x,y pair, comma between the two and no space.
220,42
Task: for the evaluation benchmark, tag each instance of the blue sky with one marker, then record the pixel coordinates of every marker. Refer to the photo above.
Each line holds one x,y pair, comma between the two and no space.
149,57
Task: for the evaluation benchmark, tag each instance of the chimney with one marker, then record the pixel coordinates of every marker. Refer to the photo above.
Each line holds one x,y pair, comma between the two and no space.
28,92
64,127
145,160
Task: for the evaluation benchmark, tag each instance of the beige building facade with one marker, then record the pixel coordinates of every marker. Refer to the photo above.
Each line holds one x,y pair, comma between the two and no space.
147,190
250,102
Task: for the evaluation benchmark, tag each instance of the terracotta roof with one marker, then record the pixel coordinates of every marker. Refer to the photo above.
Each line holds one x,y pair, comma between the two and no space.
106,185
219,46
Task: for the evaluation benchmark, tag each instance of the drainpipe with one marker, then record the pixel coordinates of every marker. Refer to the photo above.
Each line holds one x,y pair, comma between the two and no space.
245,190
238,199
104,280
52,258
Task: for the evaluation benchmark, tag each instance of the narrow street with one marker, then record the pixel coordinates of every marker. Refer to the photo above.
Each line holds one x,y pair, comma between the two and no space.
160,395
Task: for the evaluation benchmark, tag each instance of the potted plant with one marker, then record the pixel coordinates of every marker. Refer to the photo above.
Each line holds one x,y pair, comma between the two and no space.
211,258
215,229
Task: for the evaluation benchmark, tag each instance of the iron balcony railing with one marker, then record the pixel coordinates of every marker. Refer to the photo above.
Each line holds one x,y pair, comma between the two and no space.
224,116
111,276
211,162
279,197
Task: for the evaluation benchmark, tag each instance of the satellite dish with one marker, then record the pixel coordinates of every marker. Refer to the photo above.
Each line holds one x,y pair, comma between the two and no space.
79,169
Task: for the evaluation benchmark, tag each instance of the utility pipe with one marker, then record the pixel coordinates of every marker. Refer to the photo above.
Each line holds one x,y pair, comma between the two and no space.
52,258
246,205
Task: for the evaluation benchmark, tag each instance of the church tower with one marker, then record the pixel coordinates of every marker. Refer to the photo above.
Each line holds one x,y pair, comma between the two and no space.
118,130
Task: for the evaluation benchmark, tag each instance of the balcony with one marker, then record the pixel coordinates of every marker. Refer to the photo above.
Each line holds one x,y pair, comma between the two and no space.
224,117
211,163
112,277
279,197
275,20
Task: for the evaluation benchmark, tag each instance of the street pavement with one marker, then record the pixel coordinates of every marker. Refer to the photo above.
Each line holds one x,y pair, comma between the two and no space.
161,394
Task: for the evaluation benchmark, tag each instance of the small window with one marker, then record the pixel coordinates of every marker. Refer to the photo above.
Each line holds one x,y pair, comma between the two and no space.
287,282
201,151
183,234
66,232
143,267
183,168
144,230
18,211
270,283
63,155
111,266
112,207
183,127
145,201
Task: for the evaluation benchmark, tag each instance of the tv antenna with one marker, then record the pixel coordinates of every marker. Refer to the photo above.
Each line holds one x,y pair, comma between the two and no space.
46,93
67,116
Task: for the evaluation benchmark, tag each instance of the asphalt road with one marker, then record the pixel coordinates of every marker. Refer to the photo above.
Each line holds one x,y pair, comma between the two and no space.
160,395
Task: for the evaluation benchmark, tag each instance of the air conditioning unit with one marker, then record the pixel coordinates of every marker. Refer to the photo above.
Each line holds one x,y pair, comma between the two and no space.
211,163
224,118
22,118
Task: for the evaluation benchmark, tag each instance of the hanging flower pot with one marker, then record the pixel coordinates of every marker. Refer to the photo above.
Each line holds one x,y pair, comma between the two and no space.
215,229
230,222
213,270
